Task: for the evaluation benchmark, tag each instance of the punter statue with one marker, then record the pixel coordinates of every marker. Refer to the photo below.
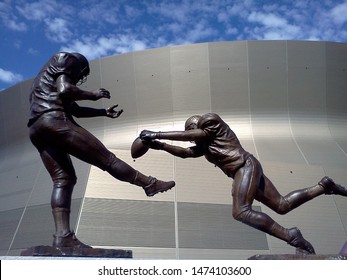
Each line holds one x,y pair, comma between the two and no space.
56,135
218,143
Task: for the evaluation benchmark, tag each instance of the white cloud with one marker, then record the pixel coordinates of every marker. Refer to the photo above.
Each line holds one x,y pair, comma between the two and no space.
268,20
33,51
9,77
273,27
39,10
200,31
132,12
58,30
45,12
99,12
339,13
15,25
171,10
9,19
223,16
102,46
99,28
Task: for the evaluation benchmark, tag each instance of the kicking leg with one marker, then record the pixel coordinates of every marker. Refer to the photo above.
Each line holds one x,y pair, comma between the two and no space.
124,172
92,151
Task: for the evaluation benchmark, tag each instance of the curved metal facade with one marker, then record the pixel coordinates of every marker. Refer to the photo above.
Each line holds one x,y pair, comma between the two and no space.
286,100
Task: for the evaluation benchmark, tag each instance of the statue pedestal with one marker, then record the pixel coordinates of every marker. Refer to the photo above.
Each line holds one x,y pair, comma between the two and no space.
49,251
298,257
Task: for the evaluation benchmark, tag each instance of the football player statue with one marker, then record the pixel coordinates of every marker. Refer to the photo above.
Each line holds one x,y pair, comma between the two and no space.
56,135
218,143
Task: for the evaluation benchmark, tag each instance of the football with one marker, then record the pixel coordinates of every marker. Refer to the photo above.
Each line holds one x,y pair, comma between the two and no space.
139,148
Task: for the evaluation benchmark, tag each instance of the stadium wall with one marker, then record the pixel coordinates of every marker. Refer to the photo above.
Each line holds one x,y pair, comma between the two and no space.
286,100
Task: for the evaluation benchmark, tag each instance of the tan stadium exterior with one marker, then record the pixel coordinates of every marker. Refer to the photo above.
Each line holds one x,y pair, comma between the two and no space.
286,100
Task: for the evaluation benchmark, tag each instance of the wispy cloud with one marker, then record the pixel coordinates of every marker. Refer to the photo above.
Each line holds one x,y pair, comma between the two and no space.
99,12
273,27
100,28
100,46
150,23
9,77
38,10
339,13
9,18
58,30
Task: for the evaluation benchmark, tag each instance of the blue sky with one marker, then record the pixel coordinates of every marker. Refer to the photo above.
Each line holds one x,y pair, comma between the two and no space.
31,31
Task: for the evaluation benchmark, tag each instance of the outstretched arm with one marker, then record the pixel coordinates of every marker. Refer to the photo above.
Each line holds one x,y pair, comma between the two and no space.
194,135
177,151
68,91
86,112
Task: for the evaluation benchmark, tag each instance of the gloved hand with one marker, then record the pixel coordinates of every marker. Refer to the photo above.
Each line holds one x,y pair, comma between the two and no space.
147,135
112,113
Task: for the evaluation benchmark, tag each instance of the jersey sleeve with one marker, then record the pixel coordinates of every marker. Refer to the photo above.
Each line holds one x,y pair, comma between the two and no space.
64,63
210,123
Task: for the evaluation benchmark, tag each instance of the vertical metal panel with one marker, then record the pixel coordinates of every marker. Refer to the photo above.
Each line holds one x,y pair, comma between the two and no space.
307,102
37,227
211,226
229,78
190,79
307,79
268,99
17,185
153,83
268,79
16,165
9,221
136,223
153,89
336,87
118,76
229,81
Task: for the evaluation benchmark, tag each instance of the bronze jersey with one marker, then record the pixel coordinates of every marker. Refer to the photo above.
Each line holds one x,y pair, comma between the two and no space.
44,96
222,148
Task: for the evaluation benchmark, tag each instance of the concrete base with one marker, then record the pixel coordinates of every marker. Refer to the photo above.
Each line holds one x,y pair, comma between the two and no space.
298,257
49,251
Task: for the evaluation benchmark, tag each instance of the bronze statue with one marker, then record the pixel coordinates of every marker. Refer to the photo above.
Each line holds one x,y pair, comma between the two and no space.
219,144
56,135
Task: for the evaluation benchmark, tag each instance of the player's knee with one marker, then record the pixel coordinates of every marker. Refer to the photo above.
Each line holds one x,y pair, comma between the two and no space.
243,214
110,164
283,207
68,182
